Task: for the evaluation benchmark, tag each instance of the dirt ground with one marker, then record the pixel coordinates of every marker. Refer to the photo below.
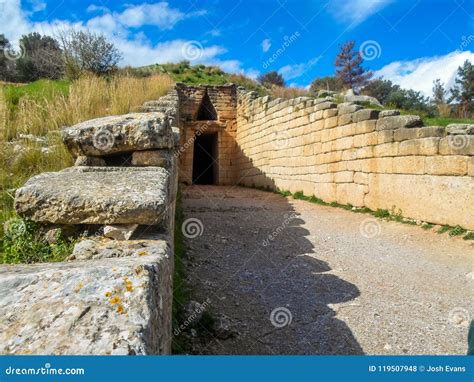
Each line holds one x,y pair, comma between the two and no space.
286,276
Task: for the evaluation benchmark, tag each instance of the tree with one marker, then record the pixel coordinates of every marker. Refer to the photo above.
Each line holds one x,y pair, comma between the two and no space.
463,90
41,58
85,51
327,83
7,66
349,67
439,93
380,89
271,78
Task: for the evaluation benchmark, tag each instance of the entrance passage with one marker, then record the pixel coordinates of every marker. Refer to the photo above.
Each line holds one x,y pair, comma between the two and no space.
204,161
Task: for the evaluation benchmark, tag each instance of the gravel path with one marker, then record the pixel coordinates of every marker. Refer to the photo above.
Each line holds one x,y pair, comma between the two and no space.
291,277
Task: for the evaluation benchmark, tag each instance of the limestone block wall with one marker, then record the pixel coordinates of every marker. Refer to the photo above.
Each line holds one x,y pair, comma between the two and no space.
351,155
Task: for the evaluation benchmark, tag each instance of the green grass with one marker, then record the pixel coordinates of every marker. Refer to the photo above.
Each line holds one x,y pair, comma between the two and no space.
36,90
457,231
440,121
469,236
427,226
444,229
181,293
23,243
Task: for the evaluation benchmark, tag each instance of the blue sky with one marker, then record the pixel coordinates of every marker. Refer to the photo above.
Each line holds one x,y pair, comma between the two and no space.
408,41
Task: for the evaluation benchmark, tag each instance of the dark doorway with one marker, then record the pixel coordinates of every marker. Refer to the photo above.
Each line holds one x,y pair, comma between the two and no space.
206,111
204,161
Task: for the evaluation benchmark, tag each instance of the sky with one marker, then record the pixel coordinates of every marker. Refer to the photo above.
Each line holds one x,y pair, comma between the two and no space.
410,42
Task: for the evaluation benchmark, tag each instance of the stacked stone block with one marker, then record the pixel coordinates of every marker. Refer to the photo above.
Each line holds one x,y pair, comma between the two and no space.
352,155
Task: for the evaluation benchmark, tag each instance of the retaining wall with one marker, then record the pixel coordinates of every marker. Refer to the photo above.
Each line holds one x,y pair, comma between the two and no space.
349,155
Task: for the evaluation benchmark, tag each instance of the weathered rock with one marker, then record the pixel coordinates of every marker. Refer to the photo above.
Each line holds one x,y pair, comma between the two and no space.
120,231
118,134
460,129
96,248
348,107
83,160
399,121
88,307
388,113
96,195
158,158
362,99
365,114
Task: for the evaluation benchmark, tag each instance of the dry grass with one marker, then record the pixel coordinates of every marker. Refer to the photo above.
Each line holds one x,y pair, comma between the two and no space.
89,97
287,93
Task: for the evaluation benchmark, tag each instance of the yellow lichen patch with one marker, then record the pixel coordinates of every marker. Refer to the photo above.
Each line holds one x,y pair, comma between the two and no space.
115,300
129,288
143,253
78,287
108,294
120,309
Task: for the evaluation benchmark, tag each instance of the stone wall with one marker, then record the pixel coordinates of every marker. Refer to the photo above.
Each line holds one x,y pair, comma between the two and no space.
347,154
113,295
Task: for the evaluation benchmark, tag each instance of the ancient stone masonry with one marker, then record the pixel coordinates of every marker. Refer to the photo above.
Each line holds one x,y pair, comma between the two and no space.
348,154
114,293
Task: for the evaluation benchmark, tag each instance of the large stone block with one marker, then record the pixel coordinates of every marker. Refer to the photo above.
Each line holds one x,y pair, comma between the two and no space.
365,114
99,307
446,165
350,193
96,195
118,134
436,199
419,132
398,122
421,146
457,145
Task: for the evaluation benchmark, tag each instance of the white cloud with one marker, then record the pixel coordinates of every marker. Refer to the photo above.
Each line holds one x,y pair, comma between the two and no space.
122,29
419,74
290,72
266,44
97,8
356,11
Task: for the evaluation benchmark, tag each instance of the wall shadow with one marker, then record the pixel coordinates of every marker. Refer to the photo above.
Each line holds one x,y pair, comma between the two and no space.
256,264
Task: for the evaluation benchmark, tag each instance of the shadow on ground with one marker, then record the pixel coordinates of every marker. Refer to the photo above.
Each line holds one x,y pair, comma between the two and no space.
264,285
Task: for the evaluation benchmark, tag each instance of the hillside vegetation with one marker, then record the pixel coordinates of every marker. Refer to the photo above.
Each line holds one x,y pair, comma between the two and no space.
32,115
